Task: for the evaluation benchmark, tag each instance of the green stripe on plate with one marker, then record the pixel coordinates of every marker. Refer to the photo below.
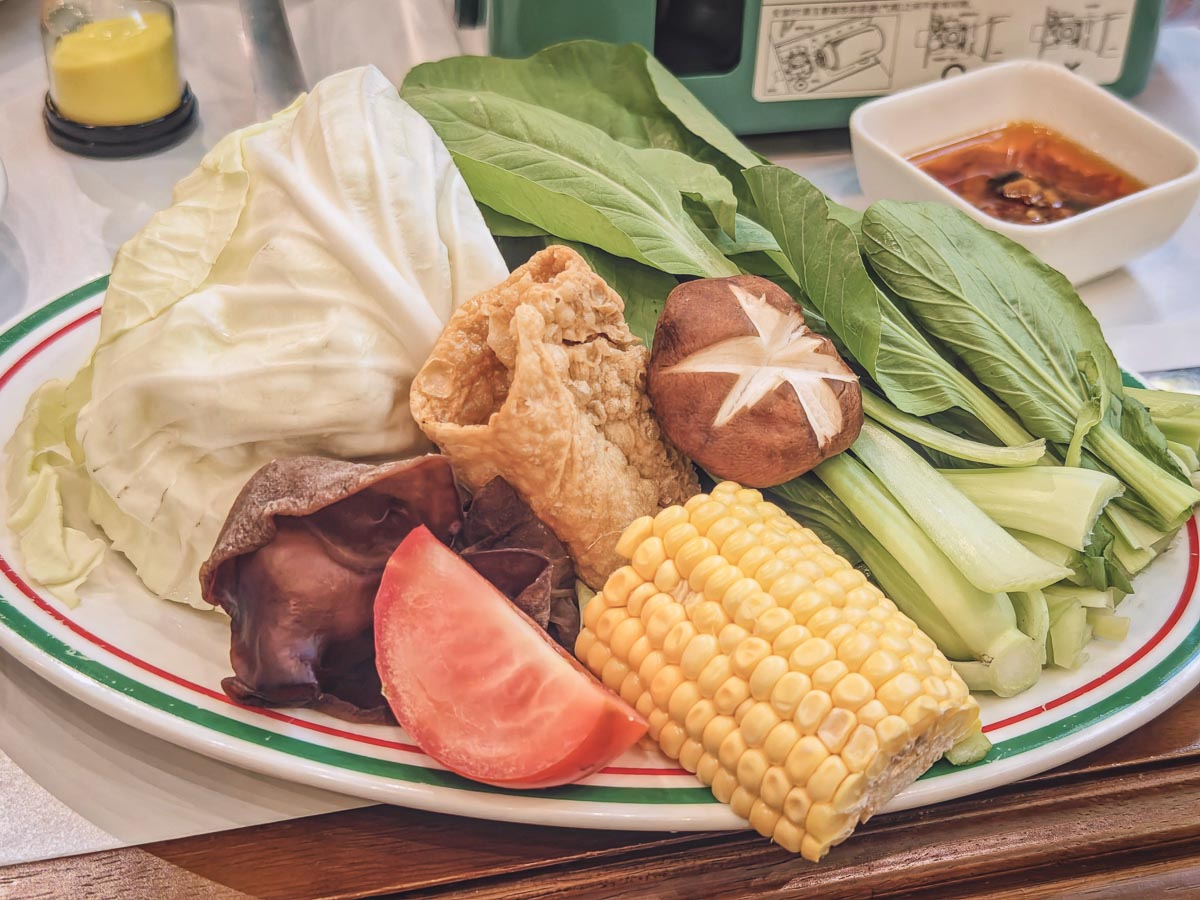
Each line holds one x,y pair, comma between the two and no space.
1175,661
50,310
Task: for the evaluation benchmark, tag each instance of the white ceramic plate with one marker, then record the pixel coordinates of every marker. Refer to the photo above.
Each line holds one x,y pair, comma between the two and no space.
158,666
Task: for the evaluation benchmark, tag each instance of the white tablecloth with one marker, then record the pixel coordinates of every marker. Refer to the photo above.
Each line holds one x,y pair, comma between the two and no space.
74,780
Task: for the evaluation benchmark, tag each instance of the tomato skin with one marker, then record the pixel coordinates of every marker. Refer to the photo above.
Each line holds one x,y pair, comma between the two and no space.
479,686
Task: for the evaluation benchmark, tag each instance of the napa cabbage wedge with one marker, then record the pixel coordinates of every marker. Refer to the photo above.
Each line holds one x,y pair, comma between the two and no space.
1019,327
279,307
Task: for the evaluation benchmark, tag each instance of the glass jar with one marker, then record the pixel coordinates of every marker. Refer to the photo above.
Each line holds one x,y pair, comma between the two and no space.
114,79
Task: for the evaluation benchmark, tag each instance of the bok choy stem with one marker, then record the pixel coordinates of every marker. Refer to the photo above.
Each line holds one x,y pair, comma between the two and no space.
1007,661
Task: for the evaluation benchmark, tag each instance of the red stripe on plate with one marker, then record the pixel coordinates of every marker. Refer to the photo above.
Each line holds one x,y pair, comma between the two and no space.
7,570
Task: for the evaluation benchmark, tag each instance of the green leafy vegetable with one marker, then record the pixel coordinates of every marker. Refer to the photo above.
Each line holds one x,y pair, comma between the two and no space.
821,254
990,558
568,178
1020,328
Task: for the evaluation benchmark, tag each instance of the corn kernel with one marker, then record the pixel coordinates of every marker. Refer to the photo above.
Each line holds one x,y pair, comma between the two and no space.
754,559
862,747
774,787
656,601
811,655
825,824
638,652
892,733
732,749
623,637
796,805
741,801
731,695
770,571
651,665
634,535
849,796
614,671
608,621
758,722
649,555
679,638
779,742
806,754
898,691
812,849
935,688
703,570
864,596
731,635
689,755
751,767
657,719
748,653
671,738
724,783
748,612
852,692
664,618
812,711
828,777
677,536
714,675
833,591
789,691
682,699
829,675
668,518
666,577
631,688
921,713
584,642
721,581
763,818
786,588
708,617
823,621
790,638
765,676
698,717
787,836
707,768
715,732
698,653
739,592
722,529
638,597
916,664
663,684
694,551
694,502
836,729
808,603
840,632
772,622
893,643
597,656
880,666
856,648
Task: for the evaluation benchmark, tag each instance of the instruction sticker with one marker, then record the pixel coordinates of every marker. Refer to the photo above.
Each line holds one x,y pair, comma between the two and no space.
812,50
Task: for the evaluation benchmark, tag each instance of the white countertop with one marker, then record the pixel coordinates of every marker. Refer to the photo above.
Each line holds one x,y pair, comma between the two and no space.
71,779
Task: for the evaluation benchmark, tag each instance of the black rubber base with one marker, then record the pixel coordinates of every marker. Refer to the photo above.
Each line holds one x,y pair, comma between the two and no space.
121,141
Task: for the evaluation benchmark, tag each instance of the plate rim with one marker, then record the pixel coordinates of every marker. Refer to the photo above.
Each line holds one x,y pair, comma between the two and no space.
447,793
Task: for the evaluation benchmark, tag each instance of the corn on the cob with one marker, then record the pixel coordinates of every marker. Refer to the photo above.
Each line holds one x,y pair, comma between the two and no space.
771,668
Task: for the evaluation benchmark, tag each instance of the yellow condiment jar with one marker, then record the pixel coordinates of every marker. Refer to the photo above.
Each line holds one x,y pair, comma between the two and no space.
115,85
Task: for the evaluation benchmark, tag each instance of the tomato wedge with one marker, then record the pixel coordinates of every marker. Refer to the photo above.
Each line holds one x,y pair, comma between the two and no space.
479,686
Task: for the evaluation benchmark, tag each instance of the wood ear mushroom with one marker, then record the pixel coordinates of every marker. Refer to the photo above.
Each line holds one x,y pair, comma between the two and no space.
742,386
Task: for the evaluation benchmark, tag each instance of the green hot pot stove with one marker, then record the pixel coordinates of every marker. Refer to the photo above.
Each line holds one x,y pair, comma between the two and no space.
787,65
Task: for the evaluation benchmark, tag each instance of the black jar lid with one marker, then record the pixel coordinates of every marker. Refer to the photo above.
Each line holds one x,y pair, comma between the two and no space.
117,141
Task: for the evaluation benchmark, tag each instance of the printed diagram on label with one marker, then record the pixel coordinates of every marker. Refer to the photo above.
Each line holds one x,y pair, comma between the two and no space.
1066,34
809,55
953,41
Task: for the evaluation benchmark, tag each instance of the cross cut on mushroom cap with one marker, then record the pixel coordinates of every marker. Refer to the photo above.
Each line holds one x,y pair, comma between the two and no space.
783,350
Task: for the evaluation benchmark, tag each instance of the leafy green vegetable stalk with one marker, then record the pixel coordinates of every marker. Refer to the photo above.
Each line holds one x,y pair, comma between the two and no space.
1005,660
1022,331
990,558
821,254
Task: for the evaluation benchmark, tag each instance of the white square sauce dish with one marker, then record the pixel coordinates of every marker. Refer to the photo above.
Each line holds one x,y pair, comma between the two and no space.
887,133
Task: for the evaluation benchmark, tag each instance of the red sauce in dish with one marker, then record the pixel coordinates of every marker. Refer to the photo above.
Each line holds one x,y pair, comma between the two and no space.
1026,173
